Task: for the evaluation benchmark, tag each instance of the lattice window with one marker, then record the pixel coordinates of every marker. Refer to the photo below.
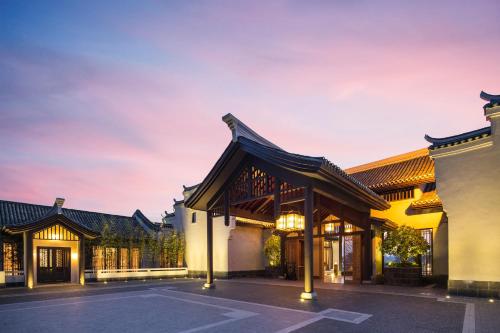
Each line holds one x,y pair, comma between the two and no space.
123,258
134,262
12,259
97,257
426,259
262,183
400,194
111,257
55,232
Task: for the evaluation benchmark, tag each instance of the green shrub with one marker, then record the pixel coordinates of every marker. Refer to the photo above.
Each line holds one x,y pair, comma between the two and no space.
406,243
272,250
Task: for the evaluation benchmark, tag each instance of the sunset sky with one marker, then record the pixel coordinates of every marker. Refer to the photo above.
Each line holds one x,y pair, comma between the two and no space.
114,107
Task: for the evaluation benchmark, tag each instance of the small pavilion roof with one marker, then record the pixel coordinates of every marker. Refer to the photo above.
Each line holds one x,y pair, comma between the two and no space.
427,200
399,171
246,141
19,215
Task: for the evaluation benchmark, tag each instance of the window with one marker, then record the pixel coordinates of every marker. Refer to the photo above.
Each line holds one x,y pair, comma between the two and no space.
426,259
97,257
400,194
193,217
12,259
134,261
111,257
123,258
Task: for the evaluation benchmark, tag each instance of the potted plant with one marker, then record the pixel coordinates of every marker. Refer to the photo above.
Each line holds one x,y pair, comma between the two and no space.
406,244
272,251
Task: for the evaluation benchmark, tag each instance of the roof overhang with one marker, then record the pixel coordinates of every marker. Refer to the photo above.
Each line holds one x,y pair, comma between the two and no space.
311,168
47,221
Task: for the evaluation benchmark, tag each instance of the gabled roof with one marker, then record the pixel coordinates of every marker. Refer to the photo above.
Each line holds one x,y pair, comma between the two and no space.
249,142
399,171
459,138
19,214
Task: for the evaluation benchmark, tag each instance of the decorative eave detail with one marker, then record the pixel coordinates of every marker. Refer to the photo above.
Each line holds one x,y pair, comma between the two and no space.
493,100
454,140
239,129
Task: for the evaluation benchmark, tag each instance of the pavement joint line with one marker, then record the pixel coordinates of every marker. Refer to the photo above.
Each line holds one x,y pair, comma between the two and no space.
300,325
92,286
66,303
469,325
322,315
343,290
243,302
469,319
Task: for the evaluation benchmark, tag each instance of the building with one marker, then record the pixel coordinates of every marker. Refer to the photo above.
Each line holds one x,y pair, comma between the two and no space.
47,244
331,221
407,182
467,176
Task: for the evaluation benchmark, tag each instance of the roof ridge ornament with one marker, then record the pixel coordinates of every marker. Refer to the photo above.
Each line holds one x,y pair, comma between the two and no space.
59,204
239,129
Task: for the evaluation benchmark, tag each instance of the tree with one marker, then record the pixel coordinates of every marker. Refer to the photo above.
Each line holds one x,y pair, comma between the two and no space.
272,250
406,243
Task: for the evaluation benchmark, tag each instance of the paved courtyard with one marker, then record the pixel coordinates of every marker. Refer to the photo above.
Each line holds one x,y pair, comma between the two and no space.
181,305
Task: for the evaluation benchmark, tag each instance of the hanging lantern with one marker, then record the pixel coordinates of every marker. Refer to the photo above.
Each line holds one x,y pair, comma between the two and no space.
290,221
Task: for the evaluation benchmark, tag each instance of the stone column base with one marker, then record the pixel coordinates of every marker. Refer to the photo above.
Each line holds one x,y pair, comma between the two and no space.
308,296
209,286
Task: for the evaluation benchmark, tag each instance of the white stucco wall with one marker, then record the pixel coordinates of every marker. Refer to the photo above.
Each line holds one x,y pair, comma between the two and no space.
196,240
468,185
467,181
246,244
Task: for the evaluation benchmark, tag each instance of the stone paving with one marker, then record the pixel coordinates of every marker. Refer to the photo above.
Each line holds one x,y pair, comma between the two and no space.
238,306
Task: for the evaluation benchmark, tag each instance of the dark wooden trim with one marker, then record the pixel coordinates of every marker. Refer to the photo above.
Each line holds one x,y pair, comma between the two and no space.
1,251
28,272
226,207
367,250
277,198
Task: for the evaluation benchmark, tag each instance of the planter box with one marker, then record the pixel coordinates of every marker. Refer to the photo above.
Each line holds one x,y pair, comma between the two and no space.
272,272
403,276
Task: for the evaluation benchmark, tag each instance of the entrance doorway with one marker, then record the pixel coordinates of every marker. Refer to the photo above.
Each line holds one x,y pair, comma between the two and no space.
53,264
342,259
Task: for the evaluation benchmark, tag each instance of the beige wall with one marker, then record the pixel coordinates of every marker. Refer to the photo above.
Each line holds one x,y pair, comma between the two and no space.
398,213
246,246
468,184
58,243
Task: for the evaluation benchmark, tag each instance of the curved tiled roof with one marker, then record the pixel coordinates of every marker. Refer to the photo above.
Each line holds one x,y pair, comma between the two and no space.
408,169
427,200
459,138
15,214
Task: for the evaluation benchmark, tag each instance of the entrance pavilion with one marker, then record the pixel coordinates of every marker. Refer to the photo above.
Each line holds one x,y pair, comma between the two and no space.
54,248
307,198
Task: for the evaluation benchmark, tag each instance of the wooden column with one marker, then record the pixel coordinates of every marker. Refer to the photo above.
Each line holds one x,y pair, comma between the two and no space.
277,199
1,251
283,254
28,259
210,252
226,207
367,249
81,260
308,245
341,247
